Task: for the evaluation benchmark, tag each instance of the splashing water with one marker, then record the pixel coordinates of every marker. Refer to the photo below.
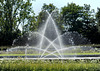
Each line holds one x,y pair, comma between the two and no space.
49,44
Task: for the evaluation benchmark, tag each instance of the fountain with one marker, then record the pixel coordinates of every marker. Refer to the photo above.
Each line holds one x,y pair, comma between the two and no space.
48,43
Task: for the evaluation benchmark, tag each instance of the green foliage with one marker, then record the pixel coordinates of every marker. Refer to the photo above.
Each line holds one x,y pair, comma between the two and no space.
98,19
72,16
81,19
49,65
42,17
90,26
13,14
49,7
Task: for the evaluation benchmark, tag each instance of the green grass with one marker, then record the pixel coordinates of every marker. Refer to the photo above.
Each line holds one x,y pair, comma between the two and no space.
50,65
46,54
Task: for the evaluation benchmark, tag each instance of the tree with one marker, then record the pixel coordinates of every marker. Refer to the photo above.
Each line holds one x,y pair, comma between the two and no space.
72,14
80,19
49,7
13,13
89,21
41,18
98,19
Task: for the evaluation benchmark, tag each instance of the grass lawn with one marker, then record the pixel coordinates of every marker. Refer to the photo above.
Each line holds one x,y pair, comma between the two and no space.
49,65
46,54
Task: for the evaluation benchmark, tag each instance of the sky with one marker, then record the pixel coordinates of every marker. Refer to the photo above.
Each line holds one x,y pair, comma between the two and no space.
37,4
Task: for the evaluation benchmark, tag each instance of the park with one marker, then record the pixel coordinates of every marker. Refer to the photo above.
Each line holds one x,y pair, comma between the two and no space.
65,39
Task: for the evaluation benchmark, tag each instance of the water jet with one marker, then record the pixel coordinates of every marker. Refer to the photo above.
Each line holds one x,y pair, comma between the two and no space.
49,44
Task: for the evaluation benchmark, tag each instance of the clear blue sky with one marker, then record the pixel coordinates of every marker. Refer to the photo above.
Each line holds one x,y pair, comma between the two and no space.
37,4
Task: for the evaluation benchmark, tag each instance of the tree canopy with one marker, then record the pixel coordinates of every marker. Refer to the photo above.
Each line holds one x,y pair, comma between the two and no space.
72,17
13,14
98,18
80,19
